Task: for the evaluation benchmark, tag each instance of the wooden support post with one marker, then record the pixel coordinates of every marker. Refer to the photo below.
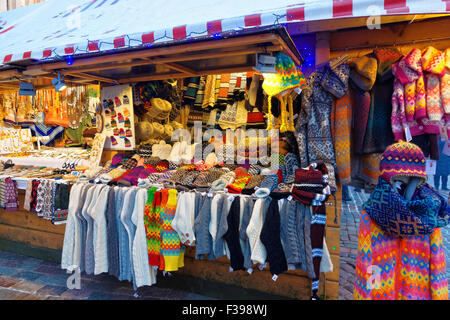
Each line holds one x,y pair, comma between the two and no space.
322,48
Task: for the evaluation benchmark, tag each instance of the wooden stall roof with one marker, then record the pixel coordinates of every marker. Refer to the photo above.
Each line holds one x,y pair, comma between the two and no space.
233,52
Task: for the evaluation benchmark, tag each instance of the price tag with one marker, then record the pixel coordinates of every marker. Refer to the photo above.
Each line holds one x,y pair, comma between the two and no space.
290,198
262,266
408,134
231,198
250,270
431,167
446,149
230,269
275,277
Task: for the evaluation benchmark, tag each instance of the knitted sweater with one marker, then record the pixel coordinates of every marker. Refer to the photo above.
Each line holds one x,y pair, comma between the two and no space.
258,251
125,217
112,231
69,235
201,229
100,235
183,221
144,275
89,253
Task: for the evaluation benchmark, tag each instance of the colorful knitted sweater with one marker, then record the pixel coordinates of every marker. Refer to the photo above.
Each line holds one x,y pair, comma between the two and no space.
389,268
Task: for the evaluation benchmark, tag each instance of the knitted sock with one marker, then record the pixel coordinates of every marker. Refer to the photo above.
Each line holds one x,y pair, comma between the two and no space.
164,199
232,236
270,237
267,186
240,181
170,241
154,228
317,234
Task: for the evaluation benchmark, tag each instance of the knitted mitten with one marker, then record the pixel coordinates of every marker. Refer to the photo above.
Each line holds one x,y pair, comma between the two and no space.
240,181
162,165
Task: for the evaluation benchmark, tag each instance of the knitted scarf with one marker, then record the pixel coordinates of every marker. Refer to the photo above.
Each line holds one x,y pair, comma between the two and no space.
402,218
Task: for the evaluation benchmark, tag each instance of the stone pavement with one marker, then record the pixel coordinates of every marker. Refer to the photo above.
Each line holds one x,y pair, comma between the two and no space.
26,278
349,242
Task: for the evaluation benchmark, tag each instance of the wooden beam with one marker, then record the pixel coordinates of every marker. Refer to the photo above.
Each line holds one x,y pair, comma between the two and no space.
177,58
180,68
152,77
92,77
175,49
10,73
288,51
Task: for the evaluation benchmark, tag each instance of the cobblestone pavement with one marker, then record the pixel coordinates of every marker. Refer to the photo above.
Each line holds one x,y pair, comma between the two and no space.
25,278
349,242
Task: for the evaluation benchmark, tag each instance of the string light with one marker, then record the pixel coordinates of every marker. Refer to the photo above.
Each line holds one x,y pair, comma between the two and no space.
139,42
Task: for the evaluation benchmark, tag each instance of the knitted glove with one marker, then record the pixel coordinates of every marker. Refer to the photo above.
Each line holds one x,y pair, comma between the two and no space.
240,181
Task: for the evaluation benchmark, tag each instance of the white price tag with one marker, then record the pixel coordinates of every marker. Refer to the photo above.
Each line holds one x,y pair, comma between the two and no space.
230,269
231,198
431,167
275,277
290,198
250,270
408,134
262,266
446,149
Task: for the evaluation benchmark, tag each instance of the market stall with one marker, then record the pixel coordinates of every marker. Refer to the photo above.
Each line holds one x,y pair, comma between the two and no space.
126,94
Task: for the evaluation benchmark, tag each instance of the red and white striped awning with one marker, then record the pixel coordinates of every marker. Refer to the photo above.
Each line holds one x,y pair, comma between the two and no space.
58,28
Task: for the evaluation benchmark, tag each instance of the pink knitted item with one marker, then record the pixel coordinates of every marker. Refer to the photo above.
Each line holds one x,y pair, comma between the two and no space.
434,102
445,84
421,99
398,118
433,61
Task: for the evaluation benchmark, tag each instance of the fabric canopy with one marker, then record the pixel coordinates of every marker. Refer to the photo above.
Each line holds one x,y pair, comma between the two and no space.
57,28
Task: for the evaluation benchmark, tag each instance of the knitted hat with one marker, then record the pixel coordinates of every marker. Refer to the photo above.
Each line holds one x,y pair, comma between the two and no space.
128,133
126,113
288,77
117,102
122,133
189,178
403,159
386,57
364,72
126,100
113,141
127,123
120,118
113,123
433,61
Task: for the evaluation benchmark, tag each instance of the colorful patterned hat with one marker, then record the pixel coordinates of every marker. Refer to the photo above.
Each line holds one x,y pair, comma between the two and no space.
287,78
403,159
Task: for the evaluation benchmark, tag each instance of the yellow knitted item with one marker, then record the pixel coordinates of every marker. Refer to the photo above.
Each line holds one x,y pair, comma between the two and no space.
281,85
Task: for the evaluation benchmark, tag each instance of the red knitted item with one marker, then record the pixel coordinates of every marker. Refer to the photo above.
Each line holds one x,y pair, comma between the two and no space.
310,176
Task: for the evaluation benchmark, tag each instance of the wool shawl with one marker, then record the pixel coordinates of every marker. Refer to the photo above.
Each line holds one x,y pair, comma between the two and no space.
399,217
